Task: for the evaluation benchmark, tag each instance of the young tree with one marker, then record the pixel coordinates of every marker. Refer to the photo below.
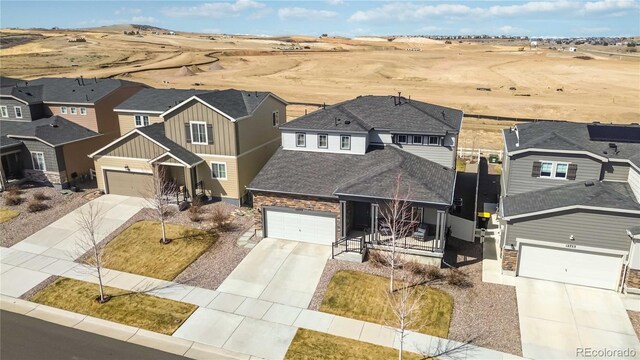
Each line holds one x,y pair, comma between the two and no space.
89,221
397,214
159,197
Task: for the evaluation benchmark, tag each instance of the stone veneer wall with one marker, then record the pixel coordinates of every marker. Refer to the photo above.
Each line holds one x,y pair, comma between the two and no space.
509,259
57,179
633,279
313,203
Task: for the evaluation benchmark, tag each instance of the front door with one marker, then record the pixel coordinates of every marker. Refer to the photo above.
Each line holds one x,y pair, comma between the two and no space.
11,165
361,215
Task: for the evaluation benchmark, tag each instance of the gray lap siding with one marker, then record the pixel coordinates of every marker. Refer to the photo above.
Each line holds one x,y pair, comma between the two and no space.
53,158
589,228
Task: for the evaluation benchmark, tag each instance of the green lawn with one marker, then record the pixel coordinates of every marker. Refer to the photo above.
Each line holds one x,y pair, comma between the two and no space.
7,214
308,344
135,309
138,249
362,296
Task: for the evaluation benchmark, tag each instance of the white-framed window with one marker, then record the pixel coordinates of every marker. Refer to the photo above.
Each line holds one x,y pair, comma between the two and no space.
3,111
434,140
401,139
323,141
18,110
63,109
417,139
345,142
83,111
554,170
301,139
275,118
73,110
37,158
198,132
141,120
219,170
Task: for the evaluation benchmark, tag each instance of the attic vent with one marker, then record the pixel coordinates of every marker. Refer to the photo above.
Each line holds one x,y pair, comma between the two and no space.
347,122
53,125
588,183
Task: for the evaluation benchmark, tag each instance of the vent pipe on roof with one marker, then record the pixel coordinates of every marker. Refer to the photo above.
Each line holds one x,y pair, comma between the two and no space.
95,79
82,80
78,81
515,128
86,96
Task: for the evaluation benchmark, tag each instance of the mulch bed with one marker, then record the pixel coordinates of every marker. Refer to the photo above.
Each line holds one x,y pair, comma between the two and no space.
27,224
484,314
635,321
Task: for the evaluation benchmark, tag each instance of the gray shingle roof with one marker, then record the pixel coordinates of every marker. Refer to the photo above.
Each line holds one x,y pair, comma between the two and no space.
157,99
571,136
68,90
54,130
370,175
381,112
8,81
156,132
31,94
604,194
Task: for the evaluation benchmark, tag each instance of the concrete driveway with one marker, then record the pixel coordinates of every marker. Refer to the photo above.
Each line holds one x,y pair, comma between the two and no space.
280,271
558,319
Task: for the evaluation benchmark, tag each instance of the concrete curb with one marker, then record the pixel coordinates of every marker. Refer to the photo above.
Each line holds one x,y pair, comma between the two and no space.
130,334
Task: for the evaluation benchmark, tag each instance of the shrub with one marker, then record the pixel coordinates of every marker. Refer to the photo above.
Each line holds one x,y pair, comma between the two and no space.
40,196
195,210
415,268
35,206
220,217
458,278
378,259
14,190
12,200
434,273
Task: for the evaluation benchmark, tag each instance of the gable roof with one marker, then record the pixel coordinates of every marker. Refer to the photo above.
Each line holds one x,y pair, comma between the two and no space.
156,100
370,175
590,194
53,131
383,113
571,137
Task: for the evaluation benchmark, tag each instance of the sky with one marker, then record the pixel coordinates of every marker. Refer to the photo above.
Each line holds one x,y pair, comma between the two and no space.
554,18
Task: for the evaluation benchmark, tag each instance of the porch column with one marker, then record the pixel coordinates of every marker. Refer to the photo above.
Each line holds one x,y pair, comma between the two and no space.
343,218
374,220
441,224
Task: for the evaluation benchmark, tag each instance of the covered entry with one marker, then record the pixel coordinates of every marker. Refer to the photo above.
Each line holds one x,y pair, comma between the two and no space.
290,224
127,183
567,265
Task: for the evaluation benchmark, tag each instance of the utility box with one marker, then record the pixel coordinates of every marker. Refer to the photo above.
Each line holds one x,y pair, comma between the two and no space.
494,158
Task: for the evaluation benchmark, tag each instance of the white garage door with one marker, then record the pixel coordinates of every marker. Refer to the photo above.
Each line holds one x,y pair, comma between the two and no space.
301,227
570,266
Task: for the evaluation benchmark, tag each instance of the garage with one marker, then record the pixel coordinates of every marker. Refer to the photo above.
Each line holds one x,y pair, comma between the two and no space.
567,265
127,183
316,227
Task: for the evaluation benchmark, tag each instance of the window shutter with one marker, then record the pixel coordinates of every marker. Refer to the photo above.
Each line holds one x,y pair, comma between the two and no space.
535,171
187,132
572,172
210,133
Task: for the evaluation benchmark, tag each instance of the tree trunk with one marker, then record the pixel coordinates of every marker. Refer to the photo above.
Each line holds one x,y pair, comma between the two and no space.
393,263
401,343
164,233
98,267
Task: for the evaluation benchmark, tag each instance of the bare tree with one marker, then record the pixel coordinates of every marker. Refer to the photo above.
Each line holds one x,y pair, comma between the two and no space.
89,221
398,217
159,196
404,302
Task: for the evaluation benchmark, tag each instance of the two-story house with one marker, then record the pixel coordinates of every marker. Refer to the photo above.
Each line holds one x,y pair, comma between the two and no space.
570,208
49,125
210,143
339,165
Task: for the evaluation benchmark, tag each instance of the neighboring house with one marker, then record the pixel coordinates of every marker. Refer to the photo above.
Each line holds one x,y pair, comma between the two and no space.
570,203
338,166
49,125
211,142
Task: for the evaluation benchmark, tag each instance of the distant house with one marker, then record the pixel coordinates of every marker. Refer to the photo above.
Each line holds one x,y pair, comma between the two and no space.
572,49
49,125
570,204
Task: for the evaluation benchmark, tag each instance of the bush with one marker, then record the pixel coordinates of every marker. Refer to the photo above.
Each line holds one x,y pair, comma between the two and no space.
35,206
416,268
14,190
220,217
434,273
195,210
40,196
458,278
378,259
12,200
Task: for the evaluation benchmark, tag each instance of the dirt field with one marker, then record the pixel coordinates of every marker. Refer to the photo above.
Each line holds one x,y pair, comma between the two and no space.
538,83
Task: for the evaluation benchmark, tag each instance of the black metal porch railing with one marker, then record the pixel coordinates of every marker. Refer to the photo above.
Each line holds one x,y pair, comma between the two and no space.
354,245
410,243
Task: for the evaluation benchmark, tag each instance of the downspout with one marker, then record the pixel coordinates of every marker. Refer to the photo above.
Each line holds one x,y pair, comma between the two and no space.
625,273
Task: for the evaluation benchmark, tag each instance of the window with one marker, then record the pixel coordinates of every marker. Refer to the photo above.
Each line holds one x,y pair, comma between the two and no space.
545,169
3,111
73,110
37,158
275,118
434,140
301,140
83,111
417,139
141,120
345,142
18,111
561,170
198,132
401,139
323,141
63,109
554,170
219,170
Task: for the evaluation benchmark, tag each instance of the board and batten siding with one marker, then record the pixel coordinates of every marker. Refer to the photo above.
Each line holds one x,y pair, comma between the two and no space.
258,129
250,164
118,164
520,165
615,171
136,146
127,121
593,228
224,132
634,182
